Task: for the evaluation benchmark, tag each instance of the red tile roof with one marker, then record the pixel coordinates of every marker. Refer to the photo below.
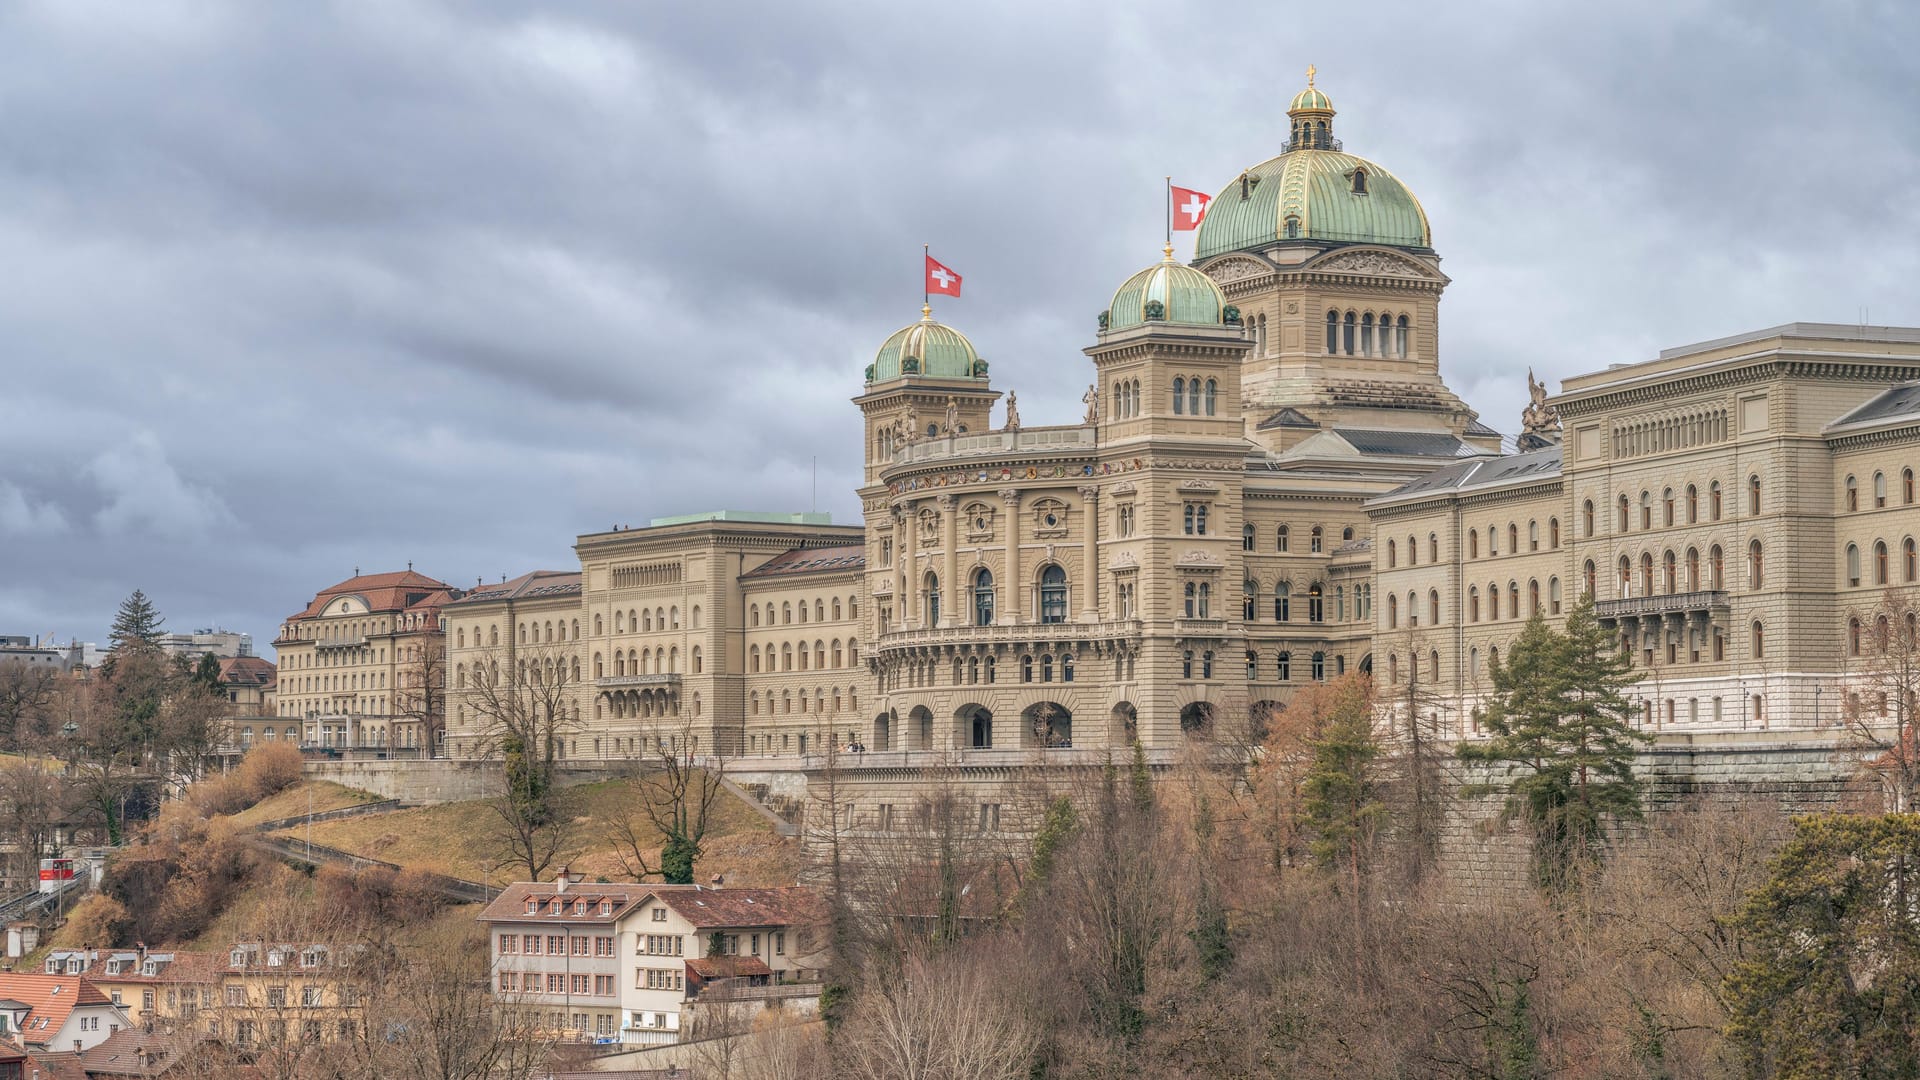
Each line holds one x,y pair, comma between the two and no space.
511,904
52,998
716,908
728,967
846,558
247,671
133,1052
400,591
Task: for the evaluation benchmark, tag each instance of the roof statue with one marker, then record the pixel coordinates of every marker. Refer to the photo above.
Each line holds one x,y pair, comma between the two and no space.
1092,398
1013,411
913,423
952,424
1539,421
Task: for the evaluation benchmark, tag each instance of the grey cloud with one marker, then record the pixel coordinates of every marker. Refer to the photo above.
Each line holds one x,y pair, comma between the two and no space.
295,288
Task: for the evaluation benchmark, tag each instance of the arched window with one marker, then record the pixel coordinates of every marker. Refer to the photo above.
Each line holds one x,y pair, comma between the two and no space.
1623,513
1393,552
1666,508
1400,338
1553,596
1879,490
1433,547
1908,560
1693,569
1646,510
1713,501
698,668
1513,538
1246,538
1493,601
1646,573
933,600
1553,532
1053,594
1853,637
1589,575
1433,605
1693,504
1716,568
1473,603
1853,494
1316,603
1493,540
1193,397
1360,184
1366,334
1533,597
1179,395
983,597
1756,566
1282,601
1319,667
1283,667
1670,570
1213,388
1586,518
1247,590
1879,562
1473,543
1906,487
1280,539
1753,494
1759,640
1314,539
1333,332
1347,331
1393,610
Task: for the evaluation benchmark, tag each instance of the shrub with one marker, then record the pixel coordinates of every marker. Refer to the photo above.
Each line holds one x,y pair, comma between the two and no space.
269,769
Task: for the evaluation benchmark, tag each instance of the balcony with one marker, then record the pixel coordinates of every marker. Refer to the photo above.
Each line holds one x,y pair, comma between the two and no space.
341,643
995,442
1014,633
1698,602
671,678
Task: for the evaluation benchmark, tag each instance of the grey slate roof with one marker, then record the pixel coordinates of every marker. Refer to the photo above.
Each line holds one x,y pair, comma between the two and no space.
1484,472
1287,417
1891,403
1478,428
1405,443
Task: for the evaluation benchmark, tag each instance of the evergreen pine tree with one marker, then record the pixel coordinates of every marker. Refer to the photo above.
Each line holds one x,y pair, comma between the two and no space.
136,626
1559,716
1344,804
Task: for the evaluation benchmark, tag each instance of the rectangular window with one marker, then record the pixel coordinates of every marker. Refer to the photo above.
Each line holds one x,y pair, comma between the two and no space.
530,944
579,985
556,984
780,940
580,946
556,945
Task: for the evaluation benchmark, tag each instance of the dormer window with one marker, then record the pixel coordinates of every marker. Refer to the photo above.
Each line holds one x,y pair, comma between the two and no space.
1293,227
533,907
606,907
579,907
1359,181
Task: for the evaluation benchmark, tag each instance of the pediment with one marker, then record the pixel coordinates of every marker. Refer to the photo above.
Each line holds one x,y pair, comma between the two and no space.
1236,267
1373,262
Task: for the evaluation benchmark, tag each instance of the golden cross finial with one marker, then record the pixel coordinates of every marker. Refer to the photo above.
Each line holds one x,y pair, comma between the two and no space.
1310,71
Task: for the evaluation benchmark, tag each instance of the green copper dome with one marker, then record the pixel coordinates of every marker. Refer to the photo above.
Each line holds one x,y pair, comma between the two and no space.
927,349
1167,292
1313,191
1310,99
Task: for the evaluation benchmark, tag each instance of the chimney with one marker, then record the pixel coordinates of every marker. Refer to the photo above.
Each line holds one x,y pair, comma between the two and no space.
719,880
560,880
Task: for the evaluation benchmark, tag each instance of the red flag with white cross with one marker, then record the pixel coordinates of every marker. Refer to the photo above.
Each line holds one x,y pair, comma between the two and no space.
1189,206
940,279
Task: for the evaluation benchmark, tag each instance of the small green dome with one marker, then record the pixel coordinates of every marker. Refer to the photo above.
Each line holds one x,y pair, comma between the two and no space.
927,349
1168,292
1310,100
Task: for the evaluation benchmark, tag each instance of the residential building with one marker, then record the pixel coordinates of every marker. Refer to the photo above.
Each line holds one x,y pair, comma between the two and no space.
251,686
348,662
194,644
56,1012
624,961
281,993
164,990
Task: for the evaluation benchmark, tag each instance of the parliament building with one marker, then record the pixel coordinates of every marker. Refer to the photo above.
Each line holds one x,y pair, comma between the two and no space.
1272,485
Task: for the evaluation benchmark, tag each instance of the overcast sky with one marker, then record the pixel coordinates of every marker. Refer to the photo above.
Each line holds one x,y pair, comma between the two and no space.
289,289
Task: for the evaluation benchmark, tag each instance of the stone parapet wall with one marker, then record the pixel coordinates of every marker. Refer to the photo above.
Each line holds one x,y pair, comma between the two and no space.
437,780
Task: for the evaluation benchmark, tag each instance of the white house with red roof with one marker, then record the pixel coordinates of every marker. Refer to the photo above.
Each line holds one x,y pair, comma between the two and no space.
627,962
64,1013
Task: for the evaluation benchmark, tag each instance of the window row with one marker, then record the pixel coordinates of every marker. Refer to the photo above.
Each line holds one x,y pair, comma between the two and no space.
1514,609
1884,644
822,700
1126,399
786,659
1681,574
1686,506
1283,538
1364,334
1493,540
786,612
984,597
1282,667
1315,597
1191,396
1909,563
1852,489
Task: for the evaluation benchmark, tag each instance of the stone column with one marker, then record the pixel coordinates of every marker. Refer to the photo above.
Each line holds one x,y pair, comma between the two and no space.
1090,555
1014,592
950,533
910,568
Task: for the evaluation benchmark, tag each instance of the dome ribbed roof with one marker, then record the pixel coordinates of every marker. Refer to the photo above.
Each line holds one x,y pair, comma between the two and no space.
1316,189
1310,99
938,351
1186,297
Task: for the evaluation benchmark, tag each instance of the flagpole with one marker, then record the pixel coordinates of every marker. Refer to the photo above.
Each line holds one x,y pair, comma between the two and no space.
1169,194
926,252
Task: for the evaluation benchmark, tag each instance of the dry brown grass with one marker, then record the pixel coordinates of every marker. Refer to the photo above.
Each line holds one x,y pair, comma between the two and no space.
457,839
292,802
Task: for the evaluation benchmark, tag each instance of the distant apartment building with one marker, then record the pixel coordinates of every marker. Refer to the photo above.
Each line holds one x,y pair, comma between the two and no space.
171,990
276,994
630,963
223,644
251,686
352,663
39,653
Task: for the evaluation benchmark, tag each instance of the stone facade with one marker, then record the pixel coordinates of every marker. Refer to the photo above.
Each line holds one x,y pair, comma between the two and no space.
348,663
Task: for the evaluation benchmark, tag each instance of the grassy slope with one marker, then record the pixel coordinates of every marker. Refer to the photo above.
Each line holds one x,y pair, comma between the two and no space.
456,839
293,802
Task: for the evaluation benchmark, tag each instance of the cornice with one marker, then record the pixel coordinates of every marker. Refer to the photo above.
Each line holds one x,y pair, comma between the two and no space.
1655,389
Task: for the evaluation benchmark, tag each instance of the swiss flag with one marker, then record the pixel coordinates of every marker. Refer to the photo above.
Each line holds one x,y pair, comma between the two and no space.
1189,207
940,279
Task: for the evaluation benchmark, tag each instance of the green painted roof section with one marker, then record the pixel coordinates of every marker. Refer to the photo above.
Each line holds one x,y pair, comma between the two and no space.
1317,187
1186,297
755,517
941,352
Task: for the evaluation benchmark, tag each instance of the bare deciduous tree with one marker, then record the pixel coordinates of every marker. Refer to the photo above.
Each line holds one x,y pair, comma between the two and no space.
675,794
524,698
26,691
422,692
1883,692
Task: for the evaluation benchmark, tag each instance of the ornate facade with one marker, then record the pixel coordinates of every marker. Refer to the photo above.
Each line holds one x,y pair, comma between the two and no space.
1272,485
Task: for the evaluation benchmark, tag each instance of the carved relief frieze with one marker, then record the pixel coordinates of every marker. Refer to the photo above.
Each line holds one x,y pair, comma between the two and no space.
1376,263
